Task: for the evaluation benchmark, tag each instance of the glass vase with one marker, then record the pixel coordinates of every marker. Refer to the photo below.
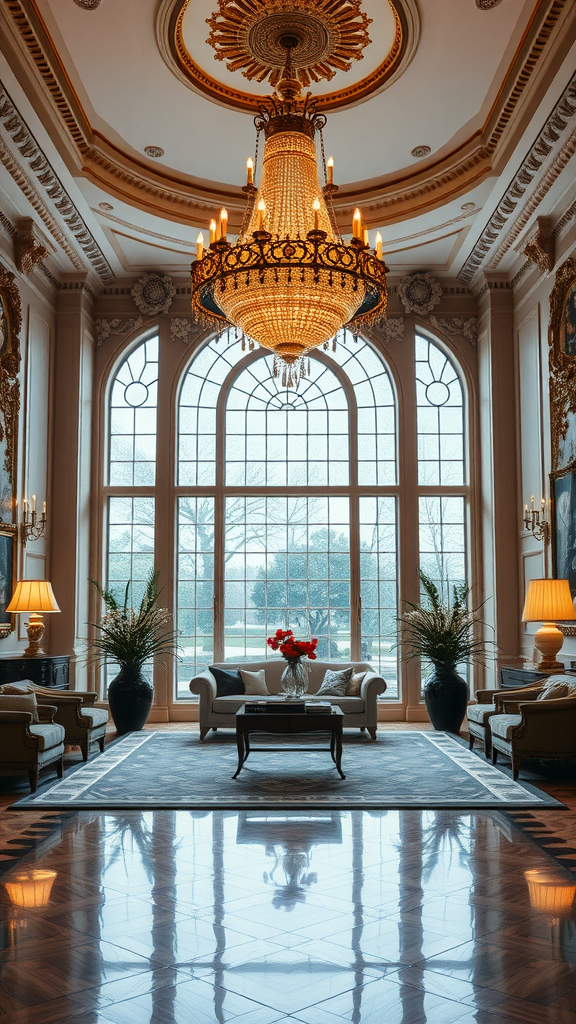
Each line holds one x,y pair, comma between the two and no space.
294,681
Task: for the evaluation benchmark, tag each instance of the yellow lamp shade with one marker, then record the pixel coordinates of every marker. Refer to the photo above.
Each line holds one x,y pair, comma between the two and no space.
548,601
33,596
550,893
30,888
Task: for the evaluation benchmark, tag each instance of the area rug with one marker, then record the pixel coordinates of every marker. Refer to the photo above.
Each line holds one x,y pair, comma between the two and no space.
175,770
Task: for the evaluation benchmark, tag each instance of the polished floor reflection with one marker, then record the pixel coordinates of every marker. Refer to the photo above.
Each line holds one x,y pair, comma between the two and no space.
399,917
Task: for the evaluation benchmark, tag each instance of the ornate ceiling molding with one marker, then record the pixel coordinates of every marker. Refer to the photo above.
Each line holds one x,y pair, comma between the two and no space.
29,247
175,198
88,5
419,293
467,327
559,133
484,5
105,327
14,125
169,31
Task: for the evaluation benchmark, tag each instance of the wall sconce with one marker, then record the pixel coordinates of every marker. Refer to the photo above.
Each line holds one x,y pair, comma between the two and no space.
535,522
32,525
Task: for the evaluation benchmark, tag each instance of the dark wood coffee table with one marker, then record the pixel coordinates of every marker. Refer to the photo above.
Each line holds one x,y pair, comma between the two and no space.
288,724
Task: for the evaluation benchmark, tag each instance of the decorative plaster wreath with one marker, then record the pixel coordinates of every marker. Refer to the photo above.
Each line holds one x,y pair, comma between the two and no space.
153,294
419,293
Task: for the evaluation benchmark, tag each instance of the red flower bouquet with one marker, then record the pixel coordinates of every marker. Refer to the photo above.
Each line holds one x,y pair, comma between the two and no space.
290,648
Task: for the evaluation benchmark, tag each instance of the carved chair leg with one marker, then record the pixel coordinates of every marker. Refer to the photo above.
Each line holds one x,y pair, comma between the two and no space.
494,754
204,733
60,767
33,777
372,731
84,745
516,762
101,744
471,741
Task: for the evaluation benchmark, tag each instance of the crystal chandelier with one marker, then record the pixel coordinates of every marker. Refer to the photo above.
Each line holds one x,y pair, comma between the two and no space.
290,283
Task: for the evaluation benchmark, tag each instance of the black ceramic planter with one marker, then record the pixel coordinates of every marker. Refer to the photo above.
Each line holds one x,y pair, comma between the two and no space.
130,698
446,696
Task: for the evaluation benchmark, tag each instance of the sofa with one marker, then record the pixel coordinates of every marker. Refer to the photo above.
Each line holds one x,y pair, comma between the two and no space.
220,712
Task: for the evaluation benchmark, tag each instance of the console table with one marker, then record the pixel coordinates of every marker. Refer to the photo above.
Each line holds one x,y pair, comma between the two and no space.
44,670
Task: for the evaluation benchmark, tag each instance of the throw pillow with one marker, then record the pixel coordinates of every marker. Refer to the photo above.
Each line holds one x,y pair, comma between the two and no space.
353,688
17,688
255,683
335,683
20,702
228,681
558,686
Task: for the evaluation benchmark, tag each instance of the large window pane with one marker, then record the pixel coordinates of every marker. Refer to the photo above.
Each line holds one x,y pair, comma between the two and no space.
376,409
278,436
287,564
132,428
379,588
197,411
195,596
443,540
440,412
130,553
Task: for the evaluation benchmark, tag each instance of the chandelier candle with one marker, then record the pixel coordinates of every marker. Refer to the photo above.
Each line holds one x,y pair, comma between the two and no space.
330,171
289,283
212,231
249,171
200,246
223,222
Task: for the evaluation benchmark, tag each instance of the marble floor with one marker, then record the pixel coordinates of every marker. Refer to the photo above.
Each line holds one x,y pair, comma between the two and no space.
379,917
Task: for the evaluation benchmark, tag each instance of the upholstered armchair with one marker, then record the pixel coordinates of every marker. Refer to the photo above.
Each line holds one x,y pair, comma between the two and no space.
83,723
534,729
28,746
489,703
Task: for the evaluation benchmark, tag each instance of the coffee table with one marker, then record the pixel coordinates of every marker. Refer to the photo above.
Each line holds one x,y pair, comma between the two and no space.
287,724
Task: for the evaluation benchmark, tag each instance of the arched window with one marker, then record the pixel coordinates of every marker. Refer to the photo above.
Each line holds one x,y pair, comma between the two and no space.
287,506
441,465
304,545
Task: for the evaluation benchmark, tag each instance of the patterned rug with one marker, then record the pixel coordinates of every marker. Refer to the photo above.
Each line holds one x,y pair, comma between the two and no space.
174,770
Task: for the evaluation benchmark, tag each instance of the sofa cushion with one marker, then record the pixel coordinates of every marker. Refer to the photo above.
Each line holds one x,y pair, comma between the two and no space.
94,717
335,683
557,686
503,726
49,735
480,712
228,681
20,702
356,680
254,683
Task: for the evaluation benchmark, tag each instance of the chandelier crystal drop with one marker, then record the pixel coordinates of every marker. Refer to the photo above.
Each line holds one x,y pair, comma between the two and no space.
289,283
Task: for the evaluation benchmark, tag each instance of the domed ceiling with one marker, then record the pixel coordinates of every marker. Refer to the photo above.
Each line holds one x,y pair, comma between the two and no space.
149,105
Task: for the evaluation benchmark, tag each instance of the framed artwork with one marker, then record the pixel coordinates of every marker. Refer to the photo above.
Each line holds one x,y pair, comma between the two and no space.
562,361
563,492
8,567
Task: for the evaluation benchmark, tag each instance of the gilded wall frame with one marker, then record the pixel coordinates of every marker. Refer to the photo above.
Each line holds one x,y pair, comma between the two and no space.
10,324
562,383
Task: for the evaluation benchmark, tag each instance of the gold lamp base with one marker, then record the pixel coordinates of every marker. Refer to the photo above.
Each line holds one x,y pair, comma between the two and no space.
548,641
35,630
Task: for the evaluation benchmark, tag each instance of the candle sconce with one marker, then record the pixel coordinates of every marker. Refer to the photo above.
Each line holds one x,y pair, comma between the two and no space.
32,525
535,521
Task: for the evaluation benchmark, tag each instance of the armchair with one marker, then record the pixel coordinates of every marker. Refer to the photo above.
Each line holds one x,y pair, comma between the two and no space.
490,703
534,729
83,723
28,746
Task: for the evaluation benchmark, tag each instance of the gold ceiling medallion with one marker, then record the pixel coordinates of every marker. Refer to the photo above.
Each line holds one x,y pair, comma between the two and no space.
329,35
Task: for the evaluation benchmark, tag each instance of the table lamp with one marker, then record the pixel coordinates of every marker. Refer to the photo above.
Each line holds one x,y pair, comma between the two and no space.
549,601
37,598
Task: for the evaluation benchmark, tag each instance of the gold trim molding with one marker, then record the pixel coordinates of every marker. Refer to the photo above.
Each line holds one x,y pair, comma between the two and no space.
175,53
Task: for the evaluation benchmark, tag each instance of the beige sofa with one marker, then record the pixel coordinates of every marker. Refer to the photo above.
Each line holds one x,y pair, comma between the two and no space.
220,712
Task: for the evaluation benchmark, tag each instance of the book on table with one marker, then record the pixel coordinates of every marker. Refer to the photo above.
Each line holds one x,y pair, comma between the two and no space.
275,707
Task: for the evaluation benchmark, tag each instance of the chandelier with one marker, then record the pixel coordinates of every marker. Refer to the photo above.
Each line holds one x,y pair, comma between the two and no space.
289,283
